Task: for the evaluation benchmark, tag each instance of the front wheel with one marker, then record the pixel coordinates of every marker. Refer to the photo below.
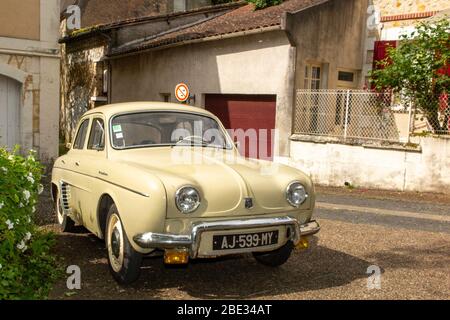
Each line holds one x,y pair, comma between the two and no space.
275,258
124,261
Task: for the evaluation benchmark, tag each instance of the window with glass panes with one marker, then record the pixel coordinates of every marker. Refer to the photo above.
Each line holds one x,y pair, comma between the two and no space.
312,77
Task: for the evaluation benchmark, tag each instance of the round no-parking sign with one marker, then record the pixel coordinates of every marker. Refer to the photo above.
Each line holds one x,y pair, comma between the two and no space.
182,92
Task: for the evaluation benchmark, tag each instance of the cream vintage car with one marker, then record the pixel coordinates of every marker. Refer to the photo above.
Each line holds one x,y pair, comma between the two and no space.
158,176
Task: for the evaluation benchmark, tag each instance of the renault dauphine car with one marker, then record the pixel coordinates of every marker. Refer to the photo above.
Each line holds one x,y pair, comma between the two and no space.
163,177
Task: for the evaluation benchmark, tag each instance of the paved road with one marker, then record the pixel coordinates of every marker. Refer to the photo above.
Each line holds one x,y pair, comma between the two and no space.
408,240
395,213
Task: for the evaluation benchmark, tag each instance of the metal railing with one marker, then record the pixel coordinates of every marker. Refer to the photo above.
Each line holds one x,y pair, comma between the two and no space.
365,115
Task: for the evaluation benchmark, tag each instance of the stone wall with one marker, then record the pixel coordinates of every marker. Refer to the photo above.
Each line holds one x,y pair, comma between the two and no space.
35,65
424,169
323,36
255,64
81,82
396,7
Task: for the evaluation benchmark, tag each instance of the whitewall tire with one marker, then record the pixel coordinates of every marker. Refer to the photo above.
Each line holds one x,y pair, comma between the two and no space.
124,261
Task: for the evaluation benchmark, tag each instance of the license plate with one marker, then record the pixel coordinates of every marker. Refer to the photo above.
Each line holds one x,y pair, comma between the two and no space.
244,241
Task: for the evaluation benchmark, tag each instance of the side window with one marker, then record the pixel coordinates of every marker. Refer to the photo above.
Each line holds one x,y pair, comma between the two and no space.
81,135
97,136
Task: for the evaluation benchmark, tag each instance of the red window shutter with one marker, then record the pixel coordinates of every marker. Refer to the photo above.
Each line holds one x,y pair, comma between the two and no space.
444,70
380,51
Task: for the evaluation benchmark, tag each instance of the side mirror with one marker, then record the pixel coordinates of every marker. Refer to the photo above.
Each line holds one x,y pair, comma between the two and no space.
69,145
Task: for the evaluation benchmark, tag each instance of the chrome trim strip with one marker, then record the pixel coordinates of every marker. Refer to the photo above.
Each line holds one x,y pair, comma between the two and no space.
201,227
164,241
309,228
104,180
64,196
150,240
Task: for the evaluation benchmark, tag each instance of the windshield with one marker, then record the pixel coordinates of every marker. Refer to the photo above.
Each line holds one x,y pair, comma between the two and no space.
148,129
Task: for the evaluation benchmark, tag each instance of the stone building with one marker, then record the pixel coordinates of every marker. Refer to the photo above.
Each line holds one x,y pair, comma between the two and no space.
84,78
229,55
29,75
400,16
98,12
395,18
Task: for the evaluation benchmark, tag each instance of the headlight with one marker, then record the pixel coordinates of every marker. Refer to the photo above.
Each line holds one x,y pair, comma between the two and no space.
187,199
296,194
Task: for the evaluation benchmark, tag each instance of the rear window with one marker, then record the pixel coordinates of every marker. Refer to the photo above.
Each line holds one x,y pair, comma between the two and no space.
81,135
97,137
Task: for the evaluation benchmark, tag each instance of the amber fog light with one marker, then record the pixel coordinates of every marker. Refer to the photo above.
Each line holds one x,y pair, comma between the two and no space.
176,257
302,244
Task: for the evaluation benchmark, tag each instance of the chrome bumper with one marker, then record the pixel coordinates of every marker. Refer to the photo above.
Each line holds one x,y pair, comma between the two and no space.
191,242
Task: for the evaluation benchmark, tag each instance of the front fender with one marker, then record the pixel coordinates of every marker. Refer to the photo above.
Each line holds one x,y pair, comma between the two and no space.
141,208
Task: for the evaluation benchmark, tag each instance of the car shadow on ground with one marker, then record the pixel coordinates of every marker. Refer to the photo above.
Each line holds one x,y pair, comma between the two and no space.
433,257
233,277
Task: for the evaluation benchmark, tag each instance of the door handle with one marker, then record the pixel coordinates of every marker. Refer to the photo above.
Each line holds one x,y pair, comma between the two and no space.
77,164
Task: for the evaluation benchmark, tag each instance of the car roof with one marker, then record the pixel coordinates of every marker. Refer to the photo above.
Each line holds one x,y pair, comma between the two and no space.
113,109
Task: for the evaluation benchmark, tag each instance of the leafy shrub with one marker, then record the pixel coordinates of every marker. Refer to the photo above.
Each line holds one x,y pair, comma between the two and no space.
27,267
261,4
216,2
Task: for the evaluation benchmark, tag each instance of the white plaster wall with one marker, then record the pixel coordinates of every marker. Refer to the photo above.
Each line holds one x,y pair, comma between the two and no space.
256,64
49,108
334,164
36,65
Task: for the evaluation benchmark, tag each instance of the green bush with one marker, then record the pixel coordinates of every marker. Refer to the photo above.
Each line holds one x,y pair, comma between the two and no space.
261,4
27,267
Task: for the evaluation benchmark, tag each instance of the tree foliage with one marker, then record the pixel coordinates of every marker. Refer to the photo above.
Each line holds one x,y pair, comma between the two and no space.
418,68
259,4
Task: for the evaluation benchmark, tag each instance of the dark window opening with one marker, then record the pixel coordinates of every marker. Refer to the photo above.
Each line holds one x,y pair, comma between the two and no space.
346,76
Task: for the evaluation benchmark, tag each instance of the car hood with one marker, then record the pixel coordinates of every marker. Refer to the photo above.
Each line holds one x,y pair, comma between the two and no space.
223,179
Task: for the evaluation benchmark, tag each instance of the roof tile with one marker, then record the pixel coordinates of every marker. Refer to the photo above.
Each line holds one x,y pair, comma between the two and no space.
244,18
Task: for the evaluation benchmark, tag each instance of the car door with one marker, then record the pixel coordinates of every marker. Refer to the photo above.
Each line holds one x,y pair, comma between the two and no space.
73,183
93,165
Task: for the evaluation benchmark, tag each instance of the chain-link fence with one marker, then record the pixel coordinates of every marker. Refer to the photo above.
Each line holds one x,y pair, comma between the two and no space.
358,114
431,115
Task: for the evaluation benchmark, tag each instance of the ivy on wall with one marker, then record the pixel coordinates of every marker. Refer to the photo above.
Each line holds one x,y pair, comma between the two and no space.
259,4
80,77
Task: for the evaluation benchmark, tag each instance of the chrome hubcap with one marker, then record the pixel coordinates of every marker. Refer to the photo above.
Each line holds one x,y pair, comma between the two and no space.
115,243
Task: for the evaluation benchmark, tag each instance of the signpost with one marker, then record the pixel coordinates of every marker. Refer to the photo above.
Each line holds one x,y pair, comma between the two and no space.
182,92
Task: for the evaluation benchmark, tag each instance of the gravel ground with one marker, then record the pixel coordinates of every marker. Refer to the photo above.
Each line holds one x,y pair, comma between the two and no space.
415,263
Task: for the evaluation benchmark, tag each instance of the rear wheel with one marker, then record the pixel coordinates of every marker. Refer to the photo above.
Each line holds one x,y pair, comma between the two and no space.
124,261
275,258
65,222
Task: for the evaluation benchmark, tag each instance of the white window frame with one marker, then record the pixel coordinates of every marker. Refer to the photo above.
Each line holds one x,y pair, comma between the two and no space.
311,80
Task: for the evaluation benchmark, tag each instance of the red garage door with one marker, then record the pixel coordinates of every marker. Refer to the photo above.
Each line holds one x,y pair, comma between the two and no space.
254,114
